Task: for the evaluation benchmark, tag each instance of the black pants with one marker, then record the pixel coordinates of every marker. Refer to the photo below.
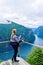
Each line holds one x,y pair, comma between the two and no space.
15,47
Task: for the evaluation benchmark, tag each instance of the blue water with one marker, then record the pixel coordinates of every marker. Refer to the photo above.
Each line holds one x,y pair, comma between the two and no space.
6,51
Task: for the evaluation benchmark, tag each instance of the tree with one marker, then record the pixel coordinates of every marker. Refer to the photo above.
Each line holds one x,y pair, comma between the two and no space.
36,56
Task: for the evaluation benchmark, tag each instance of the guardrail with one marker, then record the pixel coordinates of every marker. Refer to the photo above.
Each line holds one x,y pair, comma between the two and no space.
33,44
23,42
4,42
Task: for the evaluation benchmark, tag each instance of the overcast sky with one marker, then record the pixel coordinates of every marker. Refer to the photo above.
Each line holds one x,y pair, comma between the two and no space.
26,12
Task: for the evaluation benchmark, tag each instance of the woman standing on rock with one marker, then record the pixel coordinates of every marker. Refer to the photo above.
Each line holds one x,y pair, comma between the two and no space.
15,40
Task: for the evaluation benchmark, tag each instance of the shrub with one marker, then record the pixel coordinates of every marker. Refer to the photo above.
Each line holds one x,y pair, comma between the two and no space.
36,56
0,61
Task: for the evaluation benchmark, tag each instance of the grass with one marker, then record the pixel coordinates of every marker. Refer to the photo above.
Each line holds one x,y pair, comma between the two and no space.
0,61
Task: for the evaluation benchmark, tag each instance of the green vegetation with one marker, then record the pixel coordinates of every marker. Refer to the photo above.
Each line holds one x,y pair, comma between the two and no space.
36,57
0,61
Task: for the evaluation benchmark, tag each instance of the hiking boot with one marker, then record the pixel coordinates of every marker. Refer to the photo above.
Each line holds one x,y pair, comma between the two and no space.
16,60
18,55
12,59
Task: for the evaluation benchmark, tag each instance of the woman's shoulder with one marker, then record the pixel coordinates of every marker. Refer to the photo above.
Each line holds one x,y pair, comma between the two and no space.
14,35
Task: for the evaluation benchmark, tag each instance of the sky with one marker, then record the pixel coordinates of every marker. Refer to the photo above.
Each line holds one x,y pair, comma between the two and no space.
25,12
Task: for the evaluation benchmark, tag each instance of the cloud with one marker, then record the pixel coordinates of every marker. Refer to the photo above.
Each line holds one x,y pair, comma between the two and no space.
25,12
4,21
23,20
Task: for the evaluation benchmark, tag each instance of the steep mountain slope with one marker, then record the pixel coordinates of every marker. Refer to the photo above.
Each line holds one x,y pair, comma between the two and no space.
39,32
26,33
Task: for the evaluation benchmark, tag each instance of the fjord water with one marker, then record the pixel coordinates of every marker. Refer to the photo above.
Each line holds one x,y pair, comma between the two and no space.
25,49
38,41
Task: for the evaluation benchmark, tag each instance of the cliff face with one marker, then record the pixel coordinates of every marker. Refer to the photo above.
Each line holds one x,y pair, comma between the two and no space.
26,33
39,32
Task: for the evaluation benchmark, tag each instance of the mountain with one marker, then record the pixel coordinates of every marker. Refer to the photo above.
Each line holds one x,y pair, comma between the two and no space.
39,31
34,30
26,33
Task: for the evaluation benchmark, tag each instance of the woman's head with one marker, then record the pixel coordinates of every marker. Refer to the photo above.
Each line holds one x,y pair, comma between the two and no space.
14,31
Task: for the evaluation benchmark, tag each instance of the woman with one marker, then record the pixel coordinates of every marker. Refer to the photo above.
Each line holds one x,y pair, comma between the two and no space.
15,40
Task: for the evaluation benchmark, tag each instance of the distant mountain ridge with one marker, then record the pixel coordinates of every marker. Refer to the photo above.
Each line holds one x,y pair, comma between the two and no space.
39,31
